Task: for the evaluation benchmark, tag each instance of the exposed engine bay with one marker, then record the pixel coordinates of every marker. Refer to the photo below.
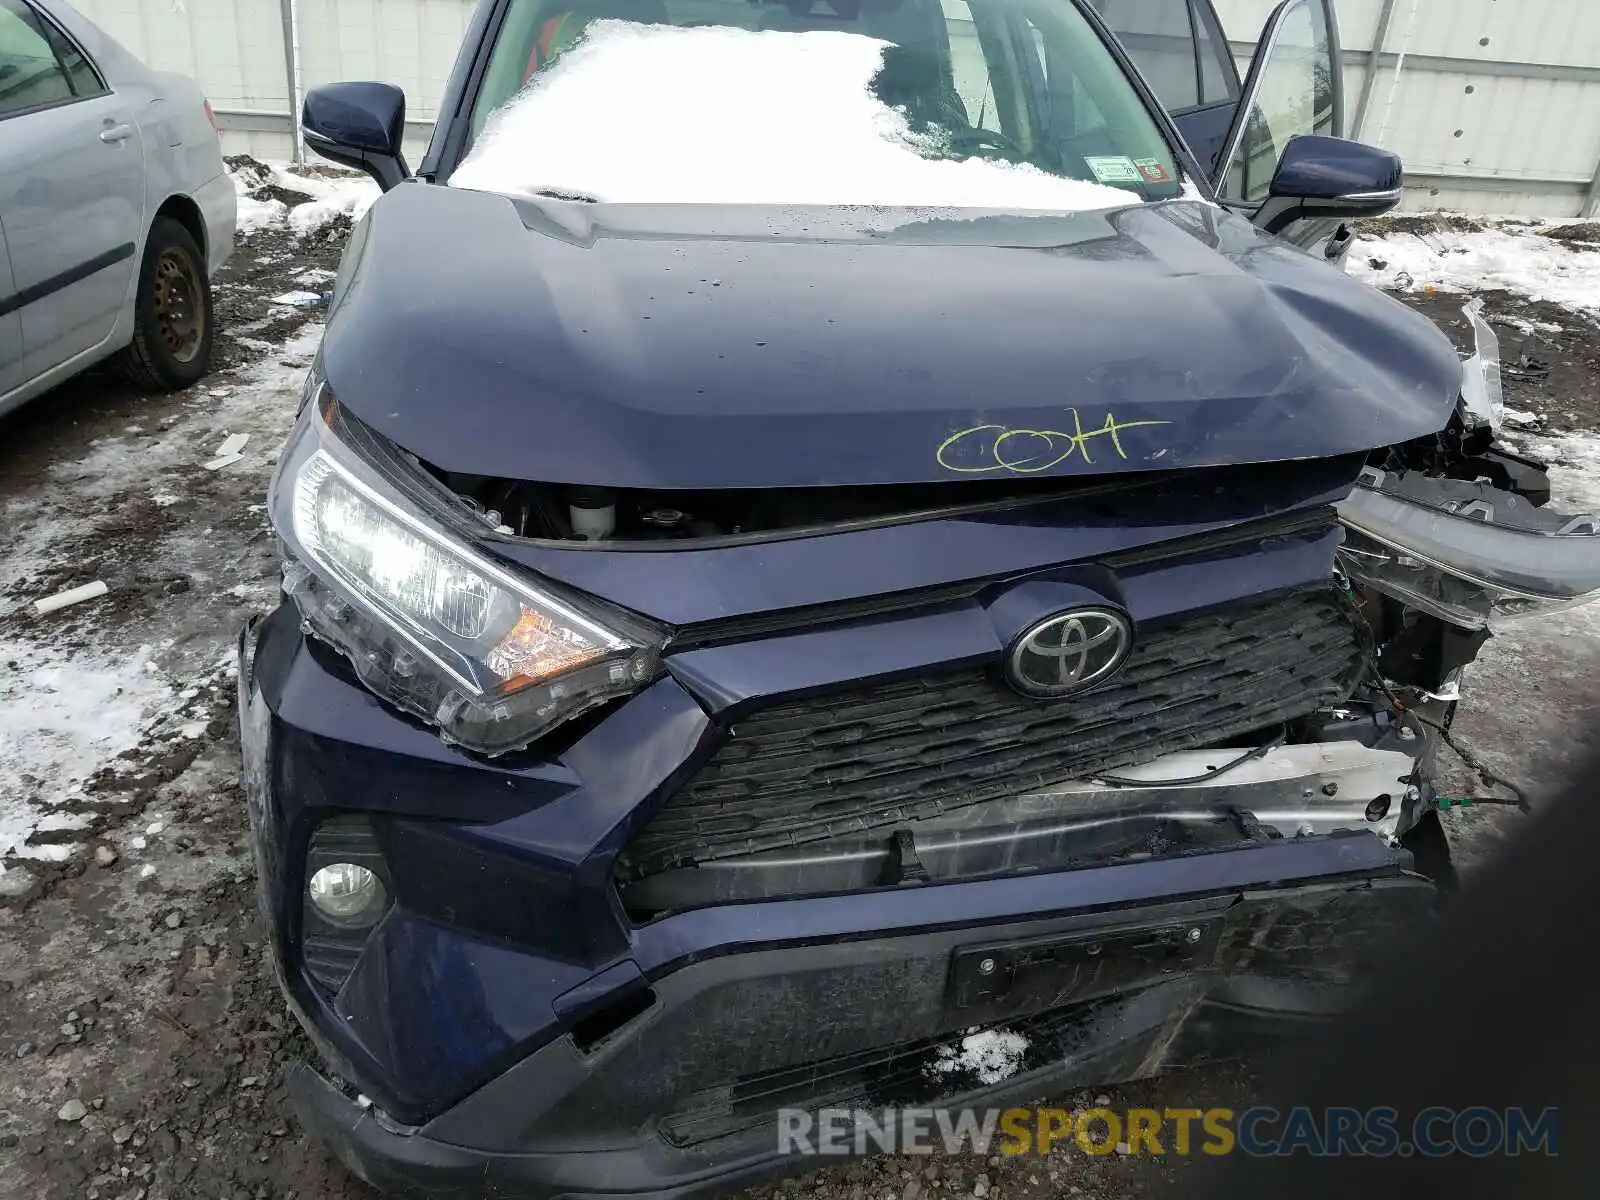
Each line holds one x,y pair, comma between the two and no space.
1460,464
565,512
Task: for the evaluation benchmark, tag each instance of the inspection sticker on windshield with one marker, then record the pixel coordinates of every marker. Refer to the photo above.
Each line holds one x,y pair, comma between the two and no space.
1114,168
1153,169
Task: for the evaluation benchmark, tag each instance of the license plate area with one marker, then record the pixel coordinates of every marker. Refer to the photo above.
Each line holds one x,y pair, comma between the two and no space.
1028,975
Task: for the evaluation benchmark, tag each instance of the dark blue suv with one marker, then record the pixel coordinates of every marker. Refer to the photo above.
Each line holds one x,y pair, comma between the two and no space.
822,531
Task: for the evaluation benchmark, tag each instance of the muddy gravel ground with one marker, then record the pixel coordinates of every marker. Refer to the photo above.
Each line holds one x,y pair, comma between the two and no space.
142,1041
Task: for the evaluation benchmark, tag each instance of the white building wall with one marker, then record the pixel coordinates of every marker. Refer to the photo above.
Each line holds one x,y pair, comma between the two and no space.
236,50
1496,108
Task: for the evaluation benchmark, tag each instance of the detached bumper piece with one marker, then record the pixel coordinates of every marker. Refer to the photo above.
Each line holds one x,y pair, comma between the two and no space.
684,1096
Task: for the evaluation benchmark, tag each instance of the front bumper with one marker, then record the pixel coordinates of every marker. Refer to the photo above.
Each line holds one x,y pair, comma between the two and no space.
516,1032
531,1131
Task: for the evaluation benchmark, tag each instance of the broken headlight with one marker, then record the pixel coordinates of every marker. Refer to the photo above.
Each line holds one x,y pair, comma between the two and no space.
382,568
1465,552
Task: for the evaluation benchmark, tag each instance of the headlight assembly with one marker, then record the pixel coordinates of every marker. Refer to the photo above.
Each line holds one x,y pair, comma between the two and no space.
490,656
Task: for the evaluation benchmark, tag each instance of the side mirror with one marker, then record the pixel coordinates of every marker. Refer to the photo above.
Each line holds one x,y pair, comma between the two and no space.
1326,177
359,125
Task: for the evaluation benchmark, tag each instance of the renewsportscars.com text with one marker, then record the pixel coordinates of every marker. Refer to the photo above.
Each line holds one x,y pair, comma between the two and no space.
1260,1132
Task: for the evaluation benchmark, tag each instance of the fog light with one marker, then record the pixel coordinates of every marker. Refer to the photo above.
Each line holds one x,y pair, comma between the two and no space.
348,890
347,894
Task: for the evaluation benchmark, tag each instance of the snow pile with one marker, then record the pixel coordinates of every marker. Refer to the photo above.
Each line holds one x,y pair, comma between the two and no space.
259,187
255,214
992,1055
1508,259
61,718
662,114
342,196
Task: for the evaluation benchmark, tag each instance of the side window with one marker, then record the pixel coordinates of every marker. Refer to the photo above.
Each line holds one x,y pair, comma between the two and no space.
39,66
30,74
1294,93
85,80
1219,78
1160,37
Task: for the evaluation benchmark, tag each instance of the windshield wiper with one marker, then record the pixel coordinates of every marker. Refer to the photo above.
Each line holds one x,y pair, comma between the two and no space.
562,194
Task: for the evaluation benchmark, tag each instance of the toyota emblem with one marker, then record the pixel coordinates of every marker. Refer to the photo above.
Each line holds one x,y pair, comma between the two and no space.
1069,652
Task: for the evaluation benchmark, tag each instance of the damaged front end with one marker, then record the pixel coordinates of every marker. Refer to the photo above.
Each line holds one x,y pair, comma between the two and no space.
684,808
1351,694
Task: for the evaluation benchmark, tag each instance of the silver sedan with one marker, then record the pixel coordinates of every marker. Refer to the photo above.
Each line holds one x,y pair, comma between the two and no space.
115,208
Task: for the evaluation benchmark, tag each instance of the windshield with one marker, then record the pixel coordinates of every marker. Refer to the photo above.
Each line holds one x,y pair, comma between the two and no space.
1009,104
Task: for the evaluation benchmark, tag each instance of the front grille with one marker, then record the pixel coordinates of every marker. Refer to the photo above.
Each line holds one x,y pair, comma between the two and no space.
872,757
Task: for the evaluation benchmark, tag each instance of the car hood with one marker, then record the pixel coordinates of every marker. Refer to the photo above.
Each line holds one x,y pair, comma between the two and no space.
706,347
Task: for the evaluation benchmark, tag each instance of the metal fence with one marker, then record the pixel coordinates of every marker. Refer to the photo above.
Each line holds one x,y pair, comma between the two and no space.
1493,104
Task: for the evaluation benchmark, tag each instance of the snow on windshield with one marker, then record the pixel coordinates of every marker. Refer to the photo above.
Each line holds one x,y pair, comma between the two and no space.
659,114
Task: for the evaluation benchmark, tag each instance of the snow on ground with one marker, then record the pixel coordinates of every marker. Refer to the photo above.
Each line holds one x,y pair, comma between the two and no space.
1509,258
733,116
72,700
51,521
1575,489
1574,467
63,715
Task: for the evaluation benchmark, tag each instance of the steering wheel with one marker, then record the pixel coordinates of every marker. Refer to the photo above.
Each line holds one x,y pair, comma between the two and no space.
973,141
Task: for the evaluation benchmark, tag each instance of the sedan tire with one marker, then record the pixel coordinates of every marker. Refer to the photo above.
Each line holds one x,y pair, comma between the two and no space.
173,322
